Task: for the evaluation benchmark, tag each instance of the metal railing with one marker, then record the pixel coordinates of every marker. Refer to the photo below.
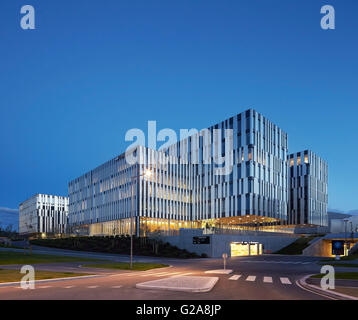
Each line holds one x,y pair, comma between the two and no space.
249,232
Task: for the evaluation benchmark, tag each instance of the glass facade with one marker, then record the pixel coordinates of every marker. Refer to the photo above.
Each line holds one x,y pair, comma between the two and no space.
308,182
186,191
44,213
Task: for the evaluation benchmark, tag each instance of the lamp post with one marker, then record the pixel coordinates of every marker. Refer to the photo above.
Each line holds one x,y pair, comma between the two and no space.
147,174
345,235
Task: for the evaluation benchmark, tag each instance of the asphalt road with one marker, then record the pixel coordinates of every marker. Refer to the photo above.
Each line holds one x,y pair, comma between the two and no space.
264,277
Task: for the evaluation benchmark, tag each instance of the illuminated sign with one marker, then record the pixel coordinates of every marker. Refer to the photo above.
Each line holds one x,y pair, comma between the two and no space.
338,247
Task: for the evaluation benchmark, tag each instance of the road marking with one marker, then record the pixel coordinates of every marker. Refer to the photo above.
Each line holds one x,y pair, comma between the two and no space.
285,281
116,287
315,292
235,277
185,274
167,274
126,274
147,274
158,273
251,278
69,287
92,287
44,287
268,279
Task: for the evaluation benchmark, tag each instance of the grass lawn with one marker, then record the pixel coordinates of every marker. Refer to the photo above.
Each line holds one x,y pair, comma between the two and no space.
16,276
296,247
341,275
138,266
8,257
346,265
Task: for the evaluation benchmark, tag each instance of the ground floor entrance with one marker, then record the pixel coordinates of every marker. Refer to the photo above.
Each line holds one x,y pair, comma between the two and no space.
245,249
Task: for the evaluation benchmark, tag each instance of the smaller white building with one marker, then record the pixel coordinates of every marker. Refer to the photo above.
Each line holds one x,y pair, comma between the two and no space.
43,213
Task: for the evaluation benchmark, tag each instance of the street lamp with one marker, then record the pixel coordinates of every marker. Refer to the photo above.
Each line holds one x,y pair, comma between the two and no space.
345,235
147,174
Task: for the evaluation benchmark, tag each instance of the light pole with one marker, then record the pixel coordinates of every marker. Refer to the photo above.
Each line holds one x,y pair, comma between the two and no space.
147,174
345,235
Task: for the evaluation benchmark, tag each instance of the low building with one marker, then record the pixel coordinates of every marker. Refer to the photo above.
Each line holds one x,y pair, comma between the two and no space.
45,214
332,245
332,216
347,225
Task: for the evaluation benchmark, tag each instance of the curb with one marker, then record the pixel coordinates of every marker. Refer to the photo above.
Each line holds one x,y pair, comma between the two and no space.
219,271
10,284
318,290
182,289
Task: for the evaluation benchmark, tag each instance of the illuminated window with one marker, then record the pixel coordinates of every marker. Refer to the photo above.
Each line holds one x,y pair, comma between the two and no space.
306,158
291,162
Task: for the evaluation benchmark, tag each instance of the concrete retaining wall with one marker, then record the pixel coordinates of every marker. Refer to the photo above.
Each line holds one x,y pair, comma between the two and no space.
318,248
220,243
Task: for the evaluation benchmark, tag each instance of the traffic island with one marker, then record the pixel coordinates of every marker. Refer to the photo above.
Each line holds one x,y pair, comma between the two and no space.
181,283
219,271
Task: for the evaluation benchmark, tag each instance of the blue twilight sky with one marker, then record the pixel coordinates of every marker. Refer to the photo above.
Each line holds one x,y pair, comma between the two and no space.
93,69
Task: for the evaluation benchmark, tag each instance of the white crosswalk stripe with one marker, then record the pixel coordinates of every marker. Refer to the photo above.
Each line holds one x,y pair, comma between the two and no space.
268,279
92,287
44,287
69,287
265,279
116,287
285,281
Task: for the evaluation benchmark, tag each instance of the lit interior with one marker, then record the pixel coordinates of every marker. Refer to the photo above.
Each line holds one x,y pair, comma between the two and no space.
240,249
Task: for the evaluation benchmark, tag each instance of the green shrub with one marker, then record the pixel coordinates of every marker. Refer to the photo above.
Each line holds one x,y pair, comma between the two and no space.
119,245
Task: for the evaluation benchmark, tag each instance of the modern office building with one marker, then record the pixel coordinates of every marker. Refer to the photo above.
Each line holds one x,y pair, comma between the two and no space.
254,189
231,175
100,201
43,213
308,195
